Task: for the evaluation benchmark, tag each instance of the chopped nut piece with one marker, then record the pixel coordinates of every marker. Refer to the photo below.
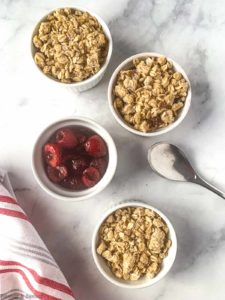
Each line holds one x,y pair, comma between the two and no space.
118,274
39,59
157,240
152,270
158,222
144,259
107,255
130,225
167,117
135,276
177,106
110,219
134,241
101,248
128,262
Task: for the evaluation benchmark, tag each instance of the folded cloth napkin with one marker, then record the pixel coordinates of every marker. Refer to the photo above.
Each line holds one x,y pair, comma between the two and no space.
27,269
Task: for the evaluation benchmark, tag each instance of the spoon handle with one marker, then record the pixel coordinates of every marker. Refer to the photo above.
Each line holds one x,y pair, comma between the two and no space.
209,186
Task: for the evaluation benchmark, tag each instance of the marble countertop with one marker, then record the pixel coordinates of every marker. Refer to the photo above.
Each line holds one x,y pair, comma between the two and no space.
190,32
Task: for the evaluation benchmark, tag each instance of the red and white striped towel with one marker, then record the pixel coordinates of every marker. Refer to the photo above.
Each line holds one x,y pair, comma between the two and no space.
27,269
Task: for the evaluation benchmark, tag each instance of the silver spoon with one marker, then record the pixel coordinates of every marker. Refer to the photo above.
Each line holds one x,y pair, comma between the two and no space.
170,162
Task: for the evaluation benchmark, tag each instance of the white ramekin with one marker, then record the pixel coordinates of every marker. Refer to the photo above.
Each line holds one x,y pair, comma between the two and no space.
125,65
143,282
57,191
91,81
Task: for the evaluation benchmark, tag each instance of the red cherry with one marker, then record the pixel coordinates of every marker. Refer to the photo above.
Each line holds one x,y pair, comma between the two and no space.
100,164
90,176
57,174
73,183
95,146
80,164
66,138
52,154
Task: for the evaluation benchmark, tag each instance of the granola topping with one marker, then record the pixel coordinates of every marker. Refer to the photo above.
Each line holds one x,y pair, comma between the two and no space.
70,45
150,94
134,241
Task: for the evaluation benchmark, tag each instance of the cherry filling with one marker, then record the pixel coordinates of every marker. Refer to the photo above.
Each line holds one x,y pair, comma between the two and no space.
57,174
80,164
73,183
100,164
75,159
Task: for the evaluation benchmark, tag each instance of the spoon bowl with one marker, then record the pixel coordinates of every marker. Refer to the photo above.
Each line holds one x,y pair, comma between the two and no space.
170,162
